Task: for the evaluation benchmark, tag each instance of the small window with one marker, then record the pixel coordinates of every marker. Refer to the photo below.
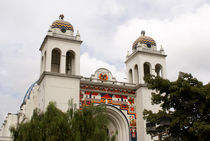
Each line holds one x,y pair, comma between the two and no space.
149,45
63,30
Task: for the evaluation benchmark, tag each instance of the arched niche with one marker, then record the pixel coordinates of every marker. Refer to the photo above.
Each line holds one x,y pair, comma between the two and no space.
70,62
117,122
159,70
130,76
55,60
147,68
136,74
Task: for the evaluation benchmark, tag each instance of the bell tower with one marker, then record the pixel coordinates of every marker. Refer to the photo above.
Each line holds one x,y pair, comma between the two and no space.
61,49
60,65
145,59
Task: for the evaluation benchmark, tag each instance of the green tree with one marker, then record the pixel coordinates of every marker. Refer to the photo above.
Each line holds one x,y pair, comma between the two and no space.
88,124
186,102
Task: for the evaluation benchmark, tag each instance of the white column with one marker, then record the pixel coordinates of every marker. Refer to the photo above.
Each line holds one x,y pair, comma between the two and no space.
63,64
48,61
141,73
133,75
77,65
41,66
153,71
164,71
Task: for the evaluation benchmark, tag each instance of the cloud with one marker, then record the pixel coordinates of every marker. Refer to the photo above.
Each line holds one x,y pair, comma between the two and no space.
9,104
89,65
19,68
184,38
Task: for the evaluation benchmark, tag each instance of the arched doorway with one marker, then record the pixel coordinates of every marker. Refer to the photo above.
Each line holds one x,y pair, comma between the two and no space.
117,122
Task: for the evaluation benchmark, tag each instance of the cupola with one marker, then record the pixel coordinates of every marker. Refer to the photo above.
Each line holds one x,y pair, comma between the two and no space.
62,24
144,40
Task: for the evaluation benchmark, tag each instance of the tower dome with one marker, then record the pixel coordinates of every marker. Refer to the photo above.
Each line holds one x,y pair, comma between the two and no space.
144,40
62,25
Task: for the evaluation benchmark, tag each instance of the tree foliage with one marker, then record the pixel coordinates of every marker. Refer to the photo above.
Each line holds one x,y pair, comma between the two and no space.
186,102
88,124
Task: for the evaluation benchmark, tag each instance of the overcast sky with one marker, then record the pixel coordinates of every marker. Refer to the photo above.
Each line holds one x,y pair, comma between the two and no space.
108,29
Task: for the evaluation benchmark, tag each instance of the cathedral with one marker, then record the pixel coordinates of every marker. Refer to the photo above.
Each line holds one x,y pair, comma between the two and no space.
60,81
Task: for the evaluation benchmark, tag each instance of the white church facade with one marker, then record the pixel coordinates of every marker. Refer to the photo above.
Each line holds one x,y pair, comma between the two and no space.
60,81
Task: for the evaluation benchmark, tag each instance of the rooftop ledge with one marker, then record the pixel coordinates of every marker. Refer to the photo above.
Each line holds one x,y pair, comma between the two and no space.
111,83
146,51
93,81
5,138
59,36
57,74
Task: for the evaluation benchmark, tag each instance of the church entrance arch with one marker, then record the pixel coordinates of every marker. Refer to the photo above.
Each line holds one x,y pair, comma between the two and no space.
117,122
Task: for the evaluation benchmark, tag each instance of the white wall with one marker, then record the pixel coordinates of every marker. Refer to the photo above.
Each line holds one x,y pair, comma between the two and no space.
61,90
64,45
140,58
10,121
143,98
143,94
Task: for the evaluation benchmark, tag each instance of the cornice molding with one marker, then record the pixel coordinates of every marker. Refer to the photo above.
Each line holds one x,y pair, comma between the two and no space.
57,74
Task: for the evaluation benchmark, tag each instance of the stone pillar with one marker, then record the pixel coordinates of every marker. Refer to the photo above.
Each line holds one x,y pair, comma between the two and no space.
164,71
141,73
63,64
153,71
48,61
77,64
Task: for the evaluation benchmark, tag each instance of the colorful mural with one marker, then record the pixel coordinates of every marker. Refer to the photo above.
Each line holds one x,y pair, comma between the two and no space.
124,100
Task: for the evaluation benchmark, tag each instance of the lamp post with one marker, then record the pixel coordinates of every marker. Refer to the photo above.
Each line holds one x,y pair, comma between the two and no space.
152,129
164,121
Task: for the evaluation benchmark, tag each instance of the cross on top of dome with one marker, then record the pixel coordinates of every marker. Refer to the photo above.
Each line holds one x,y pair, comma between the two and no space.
61,17
142,32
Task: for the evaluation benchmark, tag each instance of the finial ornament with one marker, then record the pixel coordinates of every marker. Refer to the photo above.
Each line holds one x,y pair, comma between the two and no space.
78,35
127,54
142,32
161,48
61,17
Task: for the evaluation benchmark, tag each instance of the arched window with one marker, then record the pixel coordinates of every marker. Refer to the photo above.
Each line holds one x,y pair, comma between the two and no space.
130,75
136,74
70,62
55,61
158,70
146,69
